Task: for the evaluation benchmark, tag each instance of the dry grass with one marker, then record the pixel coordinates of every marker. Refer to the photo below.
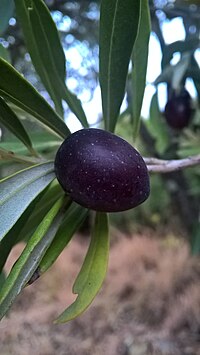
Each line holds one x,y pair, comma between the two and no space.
150,304
161,283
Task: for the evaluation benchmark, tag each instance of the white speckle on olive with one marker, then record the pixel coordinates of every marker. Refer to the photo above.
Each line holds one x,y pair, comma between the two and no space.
111,167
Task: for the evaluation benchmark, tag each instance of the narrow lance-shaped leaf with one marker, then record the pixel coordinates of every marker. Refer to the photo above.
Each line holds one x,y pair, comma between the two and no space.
30,258
188,45
18,90
14,125
22,9
179,72
195,75
2,279
42,142
139,59
47,53
19,190
43,30
93,271
49,197
174,74
157,127
75,216
30,219
42,26
119,21
12,237
50,31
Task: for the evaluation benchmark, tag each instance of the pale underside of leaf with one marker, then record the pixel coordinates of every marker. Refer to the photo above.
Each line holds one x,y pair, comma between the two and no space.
30,258
19,190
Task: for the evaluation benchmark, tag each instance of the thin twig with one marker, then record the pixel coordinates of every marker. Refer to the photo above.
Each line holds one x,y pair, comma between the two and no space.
165,166
9,155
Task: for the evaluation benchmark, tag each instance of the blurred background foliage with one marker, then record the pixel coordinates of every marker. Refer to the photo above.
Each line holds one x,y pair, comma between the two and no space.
174,196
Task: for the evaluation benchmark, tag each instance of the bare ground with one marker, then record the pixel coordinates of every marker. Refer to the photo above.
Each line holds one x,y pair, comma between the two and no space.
149,304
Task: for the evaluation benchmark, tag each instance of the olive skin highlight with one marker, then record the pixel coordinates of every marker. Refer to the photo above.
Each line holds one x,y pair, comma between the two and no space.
101,171
178,110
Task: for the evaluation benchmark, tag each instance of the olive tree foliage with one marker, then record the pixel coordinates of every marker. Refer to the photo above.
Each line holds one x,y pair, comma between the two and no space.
33,206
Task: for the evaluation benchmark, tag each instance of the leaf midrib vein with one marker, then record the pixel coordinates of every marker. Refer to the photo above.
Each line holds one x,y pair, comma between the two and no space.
109,63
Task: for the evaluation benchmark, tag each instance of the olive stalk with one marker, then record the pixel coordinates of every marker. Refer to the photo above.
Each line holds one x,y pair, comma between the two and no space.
165,166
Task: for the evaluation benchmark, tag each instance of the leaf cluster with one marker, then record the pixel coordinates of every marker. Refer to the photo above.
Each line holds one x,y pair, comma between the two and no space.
33,207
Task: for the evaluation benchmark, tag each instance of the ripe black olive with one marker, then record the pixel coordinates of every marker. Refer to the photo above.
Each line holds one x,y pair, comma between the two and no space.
101,171
178,110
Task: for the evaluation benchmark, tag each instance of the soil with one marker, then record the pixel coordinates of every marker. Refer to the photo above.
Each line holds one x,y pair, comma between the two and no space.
149,303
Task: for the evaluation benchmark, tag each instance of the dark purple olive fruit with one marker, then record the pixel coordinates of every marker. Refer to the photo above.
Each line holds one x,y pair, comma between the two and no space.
178,110
101,171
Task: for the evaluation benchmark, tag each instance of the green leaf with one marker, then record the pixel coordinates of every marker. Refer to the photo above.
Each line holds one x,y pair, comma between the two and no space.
47,43
174,74
195,240
75,216
18,90
23,8
157,126
74,104
43,27
42,142
53,192
2,279
93,271
188,45
4,53
49,30
139,59
48,57
12,237
30,258
195,75
13,124
180,70
119,20
19,190
189,142
30,219
6,11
